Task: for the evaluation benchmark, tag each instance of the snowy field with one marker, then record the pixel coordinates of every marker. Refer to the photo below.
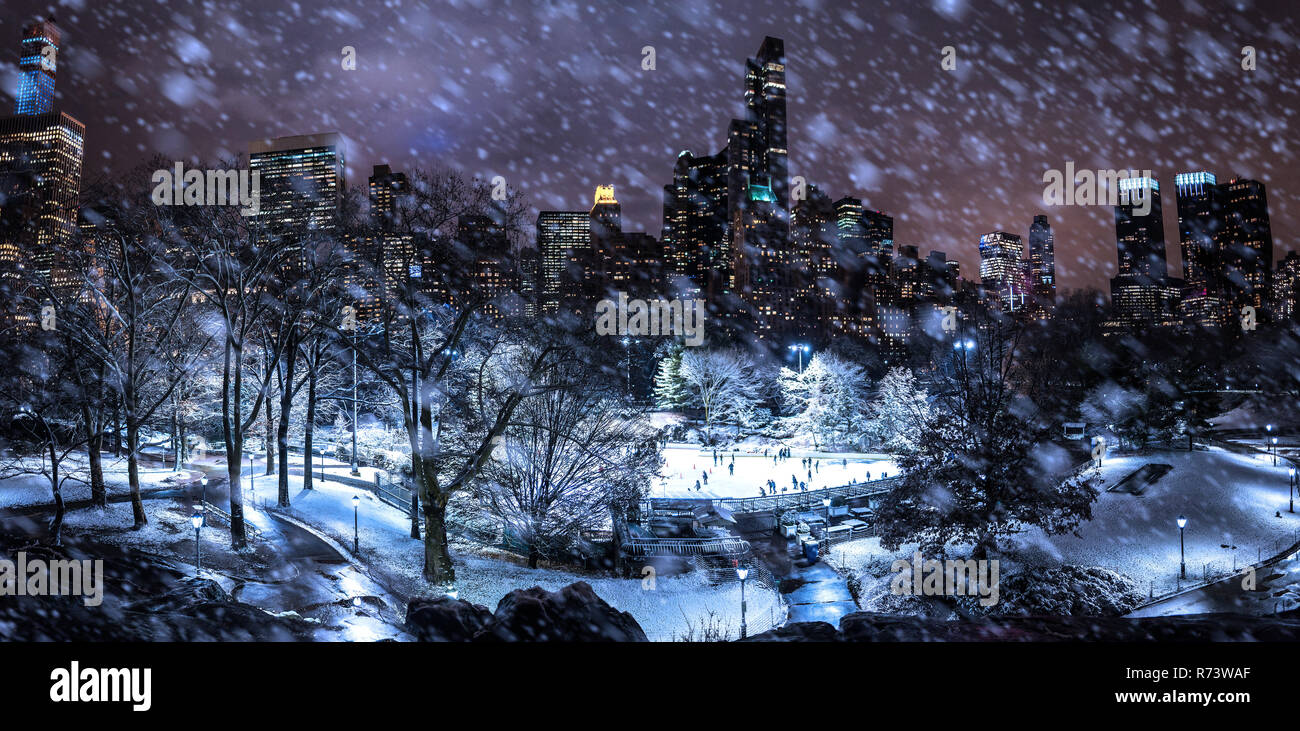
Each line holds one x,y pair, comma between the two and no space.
484,576
1229,500
35,489
685,464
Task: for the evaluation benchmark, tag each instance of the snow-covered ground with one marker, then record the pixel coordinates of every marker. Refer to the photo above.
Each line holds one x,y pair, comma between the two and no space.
1229,499
664,608
31,489
685,464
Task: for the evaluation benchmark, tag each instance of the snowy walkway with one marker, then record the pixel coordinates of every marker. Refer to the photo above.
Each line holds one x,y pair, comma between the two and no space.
822,595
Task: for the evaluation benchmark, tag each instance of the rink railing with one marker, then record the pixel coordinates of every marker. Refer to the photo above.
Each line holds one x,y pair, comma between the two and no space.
685,547
777,503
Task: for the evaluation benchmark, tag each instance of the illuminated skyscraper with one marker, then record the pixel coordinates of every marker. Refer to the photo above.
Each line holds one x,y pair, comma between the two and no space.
1141,293
1247,244
302,182
765,109
41,155
1200,234
562,237
696,228
37,67
1286,288
1000,267
386,187
1042,266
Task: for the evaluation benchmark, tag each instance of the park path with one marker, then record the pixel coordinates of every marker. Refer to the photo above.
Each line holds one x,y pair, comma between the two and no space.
822,595
813,592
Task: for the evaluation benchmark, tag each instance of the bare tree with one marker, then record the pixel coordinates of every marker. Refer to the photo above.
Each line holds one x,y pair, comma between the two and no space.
722,383
427,326
569,458
234,263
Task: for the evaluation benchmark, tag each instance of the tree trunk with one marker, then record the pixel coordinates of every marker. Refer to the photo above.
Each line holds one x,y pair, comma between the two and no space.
308,430
270,440
437,559
231,430
94,444
532,555
133,472
282,433
56,523
415,514
176,439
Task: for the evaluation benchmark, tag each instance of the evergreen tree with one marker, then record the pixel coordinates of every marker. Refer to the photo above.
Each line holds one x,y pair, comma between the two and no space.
670,388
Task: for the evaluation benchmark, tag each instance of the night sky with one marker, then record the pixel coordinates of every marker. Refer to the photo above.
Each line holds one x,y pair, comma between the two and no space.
552,96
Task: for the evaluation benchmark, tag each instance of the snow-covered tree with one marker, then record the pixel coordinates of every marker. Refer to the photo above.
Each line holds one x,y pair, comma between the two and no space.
898,413
722,383
973,476
671,393
829,399
570,458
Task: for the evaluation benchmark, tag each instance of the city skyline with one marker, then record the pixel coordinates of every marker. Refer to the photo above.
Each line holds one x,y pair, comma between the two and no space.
935,207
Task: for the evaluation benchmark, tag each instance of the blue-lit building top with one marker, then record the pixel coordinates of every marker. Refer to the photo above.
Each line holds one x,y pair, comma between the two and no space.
37,66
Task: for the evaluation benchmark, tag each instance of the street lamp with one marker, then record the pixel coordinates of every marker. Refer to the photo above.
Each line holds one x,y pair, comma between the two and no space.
742,573
356,524
196,520
826,503
1290,485
1274,451
355,471
627,356
800,350
203,482
1182,547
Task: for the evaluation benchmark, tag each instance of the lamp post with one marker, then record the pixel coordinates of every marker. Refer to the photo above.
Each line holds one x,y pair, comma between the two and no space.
799,350
196,520
826,503
1274,451
1290,488
356,524
203,483
628,358
355,471
743,573
1182,547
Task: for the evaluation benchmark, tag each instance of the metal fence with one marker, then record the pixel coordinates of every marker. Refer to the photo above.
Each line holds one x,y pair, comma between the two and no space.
685,547
251,530
778,503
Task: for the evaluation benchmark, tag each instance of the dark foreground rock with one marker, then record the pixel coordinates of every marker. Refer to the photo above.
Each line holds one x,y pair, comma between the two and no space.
572,614
143,600
445,619
869,627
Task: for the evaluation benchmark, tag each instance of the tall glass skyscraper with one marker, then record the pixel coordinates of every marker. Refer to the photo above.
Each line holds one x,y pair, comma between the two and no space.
1200,234
562,239
1042,265
37,67
41,155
